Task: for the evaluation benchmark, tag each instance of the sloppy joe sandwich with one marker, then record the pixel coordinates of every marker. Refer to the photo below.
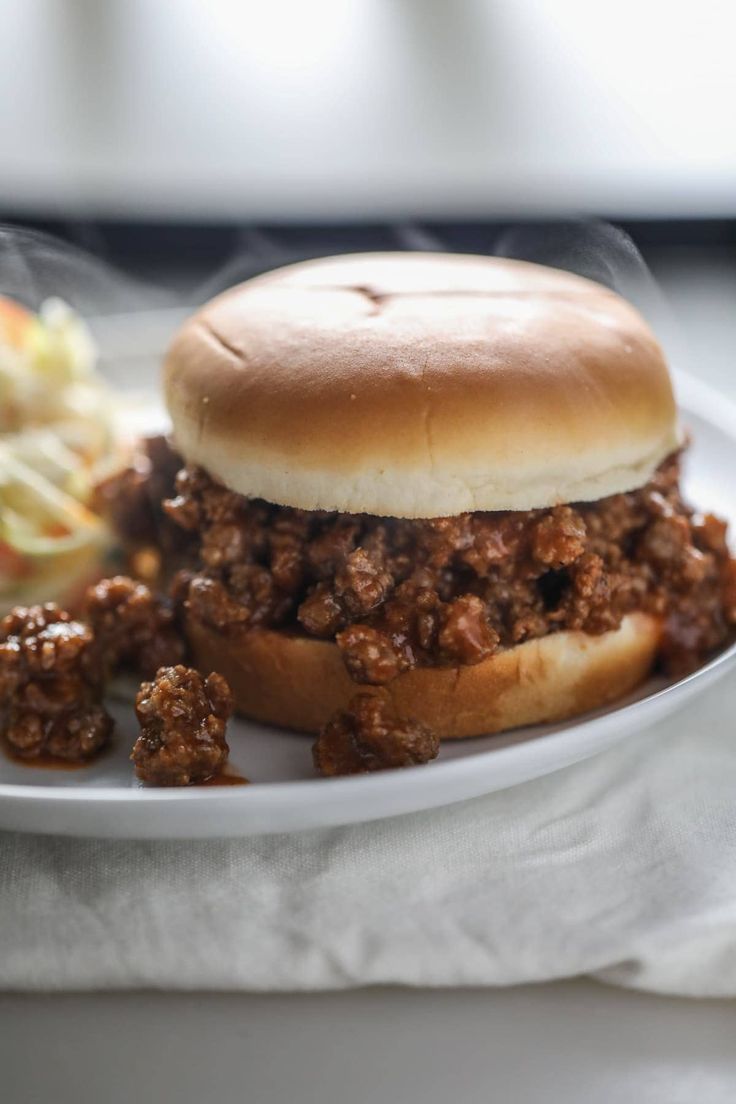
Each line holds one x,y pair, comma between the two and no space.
448,481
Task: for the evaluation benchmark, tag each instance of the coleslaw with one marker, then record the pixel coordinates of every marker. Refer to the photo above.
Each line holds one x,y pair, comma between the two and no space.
57,441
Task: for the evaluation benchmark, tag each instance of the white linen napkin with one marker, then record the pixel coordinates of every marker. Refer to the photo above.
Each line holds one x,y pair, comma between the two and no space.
623,867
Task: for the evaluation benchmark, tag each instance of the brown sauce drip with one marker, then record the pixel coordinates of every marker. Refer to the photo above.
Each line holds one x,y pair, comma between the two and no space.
225,778
49,762
53,762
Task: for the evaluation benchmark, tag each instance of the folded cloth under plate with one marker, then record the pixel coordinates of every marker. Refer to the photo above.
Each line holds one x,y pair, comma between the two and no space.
623,867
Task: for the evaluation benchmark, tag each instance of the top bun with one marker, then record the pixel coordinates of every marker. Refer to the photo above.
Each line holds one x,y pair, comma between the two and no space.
421,385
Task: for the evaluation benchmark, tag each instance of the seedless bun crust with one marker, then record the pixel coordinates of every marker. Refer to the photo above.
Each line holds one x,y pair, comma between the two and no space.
421,385
298,683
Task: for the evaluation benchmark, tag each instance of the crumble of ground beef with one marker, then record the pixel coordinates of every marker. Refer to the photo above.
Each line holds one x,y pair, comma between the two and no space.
50,685
133,626
183,718
368,736
130,500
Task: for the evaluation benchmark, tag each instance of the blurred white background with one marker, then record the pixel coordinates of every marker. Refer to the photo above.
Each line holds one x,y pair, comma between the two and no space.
353,108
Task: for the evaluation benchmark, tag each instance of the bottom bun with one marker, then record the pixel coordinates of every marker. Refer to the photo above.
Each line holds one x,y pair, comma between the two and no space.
298,683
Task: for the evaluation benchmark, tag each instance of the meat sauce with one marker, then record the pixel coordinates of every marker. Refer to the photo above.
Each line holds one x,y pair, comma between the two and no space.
50,686
48,762
397,593
183,718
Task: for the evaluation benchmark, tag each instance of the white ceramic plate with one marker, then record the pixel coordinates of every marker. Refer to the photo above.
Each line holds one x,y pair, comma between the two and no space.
104,799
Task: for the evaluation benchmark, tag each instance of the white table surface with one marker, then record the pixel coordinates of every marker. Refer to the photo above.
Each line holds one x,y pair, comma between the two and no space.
576,1042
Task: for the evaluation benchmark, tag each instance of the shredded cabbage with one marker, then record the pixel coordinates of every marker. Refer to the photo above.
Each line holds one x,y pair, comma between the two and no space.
57,439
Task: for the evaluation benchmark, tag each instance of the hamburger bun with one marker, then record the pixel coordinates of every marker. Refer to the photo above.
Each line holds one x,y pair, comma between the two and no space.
421,385
298,683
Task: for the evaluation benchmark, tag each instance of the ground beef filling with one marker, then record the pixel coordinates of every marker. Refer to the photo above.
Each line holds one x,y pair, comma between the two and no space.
398,593
369,736
50,686
131,502
133,627
183,718
53,668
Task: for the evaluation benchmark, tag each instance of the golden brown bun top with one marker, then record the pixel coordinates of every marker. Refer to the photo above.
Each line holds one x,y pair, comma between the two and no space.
421,385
